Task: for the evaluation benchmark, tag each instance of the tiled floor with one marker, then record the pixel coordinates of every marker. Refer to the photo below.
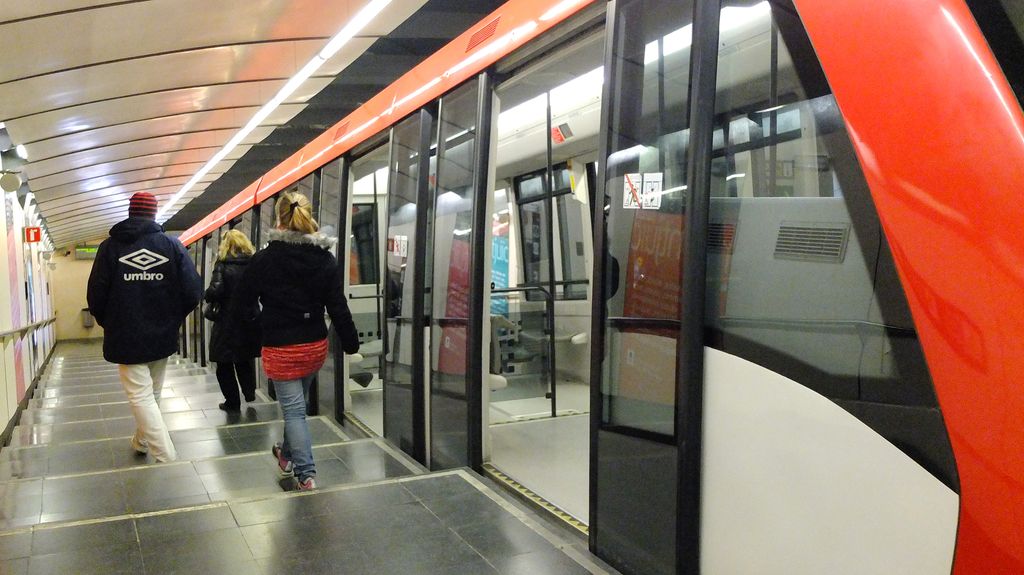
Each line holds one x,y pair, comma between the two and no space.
74,497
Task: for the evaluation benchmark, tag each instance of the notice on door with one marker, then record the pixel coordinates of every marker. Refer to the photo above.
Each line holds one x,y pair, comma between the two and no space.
642,191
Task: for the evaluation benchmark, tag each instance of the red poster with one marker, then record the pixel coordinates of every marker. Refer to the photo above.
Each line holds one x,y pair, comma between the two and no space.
452,356
648,355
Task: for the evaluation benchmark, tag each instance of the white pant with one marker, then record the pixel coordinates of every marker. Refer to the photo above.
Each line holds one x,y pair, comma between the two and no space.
143,383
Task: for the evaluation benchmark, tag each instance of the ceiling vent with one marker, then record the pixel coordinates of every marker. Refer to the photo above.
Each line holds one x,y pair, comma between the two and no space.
481,35
721,237
812,242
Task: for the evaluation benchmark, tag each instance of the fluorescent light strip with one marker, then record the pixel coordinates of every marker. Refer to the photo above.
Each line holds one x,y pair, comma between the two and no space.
349,31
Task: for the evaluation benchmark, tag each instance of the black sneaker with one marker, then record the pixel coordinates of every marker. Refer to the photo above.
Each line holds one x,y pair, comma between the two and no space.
228,407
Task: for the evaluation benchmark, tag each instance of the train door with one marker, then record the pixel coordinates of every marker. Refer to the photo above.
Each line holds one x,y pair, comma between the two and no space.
538,392
197,314
211,245
362,256
454,421
640,232
407,295
325,187
266,221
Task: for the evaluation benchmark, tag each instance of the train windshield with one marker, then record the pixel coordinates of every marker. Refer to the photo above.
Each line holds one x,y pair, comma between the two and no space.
1002,21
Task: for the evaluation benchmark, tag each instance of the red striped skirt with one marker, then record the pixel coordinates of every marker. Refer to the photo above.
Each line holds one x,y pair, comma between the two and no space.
294,361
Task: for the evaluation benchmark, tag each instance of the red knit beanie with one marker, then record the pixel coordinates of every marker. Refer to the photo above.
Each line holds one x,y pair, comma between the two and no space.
142,205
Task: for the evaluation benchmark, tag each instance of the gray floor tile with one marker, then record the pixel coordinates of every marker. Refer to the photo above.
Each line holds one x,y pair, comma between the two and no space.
235,481
439,487
272,510
206,552
85,484
420,552
368,497
16,505
14,566
22,488
15,545
61,539
158,528
503,538
119,558
156,503
460,511
254,461
551,562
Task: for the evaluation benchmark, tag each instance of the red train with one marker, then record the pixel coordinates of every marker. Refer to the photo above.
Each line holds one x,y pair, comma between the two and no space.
776,250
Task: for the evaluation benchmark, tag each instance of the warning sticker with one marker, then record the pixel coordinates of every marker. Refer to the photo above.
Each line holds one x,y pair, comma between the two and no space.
632,189
651,196
642,191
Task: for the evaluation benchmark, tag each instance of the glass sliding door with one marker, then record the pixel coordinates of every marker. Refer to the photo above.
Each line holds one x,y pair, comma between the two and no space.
212,247
454,289
365,254
634,517
406,297
538,393
328,203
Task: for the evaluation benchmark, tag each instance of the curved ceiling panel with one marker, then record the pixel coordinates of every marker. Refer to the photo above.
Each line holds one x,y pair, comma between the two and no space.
145,106
198,155
217,65
126,31
75,204
153,145
116,96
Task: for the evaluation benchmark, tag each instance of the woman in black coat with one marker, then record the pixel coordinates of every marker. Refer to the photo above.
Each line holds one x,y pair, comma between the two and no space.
234,341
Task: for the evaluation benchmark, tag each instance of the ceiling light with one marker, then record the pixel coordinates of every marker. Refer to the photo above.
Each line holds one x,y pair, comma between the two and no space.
353,27
734,176
21,151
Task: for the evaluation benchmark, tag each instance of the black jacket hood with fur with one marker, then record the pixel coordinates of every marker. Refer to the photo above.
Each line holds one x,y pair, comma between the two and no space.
294,279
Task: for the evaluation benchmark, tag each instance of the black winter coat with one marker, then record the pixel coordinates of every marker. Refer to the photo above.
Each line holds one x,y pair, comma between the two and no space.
294,279
233,338
142,286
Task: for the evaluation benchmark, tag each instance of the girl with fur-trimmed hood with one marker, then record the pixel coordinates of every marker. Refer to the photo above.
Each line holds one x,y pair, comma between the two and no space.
295,278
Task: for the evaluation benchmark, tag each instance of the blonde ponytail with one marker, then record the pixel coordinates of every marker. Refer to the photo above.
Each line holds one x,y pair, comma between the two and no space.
234,244
295,213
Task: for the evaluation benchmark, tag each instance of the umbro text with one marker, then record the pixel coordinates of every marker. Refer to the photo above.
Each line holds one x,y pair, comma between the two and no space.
143,276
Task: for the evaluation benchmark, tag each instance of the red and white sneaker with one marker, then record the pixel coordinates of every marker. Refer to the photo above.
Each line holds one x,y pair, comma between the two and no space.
308,484
284,466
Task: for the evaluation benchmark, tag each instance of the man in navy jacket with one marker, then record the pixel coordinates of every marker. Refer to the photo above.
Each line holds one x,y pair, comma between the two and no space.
142,286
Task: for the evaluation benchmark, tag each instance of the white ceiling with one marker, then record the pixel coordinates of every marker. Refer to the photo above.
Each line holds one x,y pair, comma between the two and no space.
114,97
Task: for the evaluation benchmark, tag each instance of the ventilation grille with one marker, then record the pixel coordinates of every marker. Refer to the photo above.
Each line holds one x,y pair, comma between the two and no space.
481,35
812,242
721,237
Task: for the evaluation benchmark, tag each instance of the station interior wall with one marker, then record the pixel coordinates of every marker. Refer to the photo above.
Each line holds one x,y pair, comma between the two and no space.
24,270
70,278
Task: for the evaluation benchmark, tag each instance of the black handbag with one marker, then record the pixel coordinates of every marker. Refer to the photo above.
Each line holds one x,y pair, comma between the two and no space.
211,311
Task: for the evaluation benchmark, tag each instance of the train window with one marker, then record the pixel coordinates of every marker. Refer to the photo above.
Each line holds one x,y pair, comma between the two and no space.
305,186
362,243
330,200
1002,22
648,132
572,228
801,279
268,219
571,275
244,224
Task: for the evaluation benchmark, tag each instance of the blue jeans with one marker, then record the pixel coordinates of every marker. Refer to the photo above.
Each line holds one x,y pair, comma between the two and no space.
297,446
